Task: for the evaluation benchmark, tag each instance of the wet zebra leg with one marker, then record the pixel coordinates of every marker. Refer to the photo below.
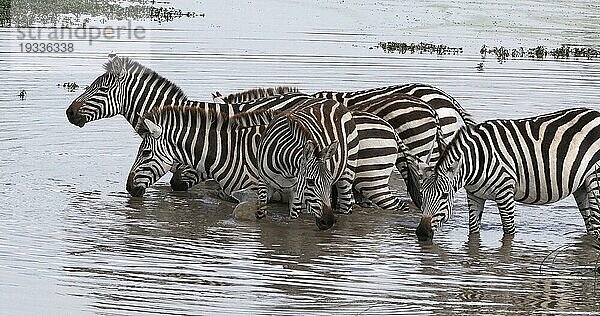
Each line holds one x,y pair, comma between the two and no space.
344,191
588,202
475,211
505,200
263,196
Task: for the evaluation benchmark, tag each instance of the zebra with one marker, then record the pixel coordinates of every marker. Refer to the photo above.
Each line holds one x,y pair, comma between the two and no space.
215,144
535,160
130,89
295,136
448,109
415,122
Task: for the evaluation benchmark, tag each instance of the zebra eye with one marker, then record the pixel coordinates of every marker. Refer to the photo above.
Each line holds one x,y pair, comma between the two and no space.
146,153
310,182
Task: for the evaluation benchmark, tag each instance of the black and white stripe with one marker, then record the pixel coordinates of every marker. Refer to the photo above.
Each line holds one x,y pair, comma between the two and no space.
536,160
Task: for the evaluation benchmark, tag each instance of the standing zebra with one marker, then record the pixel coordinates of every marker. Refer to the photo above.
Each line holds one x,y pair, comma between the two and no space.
448,109
319,126
131,89
219,146
535,160
415,122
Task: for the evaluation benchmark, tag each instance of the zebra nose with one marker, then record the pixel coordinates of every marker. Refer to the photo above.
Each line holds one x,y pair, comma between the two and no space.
134,190
424,231
327,219
73,114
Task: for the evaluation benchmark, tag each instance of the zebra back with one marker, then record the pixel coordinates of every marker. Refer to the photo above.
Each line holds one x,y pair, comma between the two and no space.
433,96
253,94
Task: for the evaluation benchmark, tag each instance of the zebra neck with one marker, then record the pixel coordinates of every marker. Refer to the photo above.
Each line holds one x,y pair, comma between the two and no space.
140,101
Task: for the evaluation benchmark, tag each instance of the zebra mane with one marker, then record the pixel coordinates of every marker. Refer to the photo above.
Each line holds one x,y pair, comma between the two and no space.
293,121
117,65
241,120
258,93
253,118
456,141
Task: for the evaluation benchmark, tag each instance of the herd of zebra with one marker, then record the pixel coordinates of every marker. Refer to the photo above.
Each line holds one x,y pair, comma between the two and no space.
323,152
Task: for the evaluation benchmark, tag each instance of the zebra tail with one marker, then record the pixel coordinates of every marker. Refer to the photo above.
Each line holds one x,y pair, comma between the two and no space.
464,115
408,166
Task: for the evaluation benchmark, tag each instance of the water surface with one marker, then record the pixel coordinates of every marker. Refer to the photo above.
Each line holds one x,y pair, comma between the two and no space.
73,242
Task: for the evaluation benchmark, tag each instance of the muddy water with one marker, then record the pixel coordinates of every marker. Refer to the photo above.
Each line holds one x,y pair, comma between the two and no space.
73,242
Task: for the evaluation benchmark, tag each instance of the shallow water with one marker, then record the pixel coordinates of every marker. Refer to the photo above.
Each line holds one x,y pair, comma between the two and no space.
73,242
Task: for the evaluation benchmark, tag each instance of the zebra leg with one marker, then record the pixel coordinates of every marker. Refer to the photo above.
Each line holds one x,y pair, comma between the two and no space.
588,202
263,196
361,200
505,200
475,211
344,191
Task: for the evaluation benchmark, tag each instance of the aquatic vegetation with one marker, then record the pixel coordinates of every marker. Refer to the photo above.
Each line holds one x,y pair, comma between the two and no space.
420,48
69,86
540,52
74,13
22,94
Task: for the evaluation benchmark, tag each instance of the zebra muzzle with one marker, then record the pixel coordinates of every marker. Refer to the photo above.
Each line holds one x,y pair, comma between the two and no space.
326,220
134,190
73,114
424,231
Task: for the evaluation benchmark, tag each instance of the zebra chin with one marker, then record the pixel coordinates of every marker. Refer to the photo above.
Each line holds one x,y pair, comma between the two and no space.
424,231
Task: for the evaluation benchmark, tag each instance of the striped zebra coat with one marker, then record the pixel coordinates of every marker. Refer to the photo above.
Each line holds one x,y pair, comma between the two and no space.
447,108
319,133
535,160
415,122
216,145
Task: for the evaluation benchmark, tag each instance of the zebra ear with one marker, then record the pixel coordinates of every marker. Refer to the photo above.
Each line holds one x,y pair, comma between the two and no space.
327,152
309,150
453,169
147,126
116,65
218,97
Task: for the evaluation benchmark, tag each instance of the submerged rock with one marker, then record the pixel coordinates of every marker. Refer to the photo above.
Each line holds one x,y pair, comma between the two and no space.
248,211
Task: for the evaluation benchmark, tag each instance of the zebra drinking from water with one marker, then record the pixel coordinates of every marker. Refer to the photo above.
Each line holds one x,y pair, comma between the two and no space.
319,136
130,89
213,143
415,122
535,160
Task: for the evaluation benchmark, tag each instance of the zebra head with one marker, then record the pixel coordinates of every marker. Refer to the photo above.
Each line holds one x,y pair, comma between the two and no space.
313,187
152,161
102,98
437,193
